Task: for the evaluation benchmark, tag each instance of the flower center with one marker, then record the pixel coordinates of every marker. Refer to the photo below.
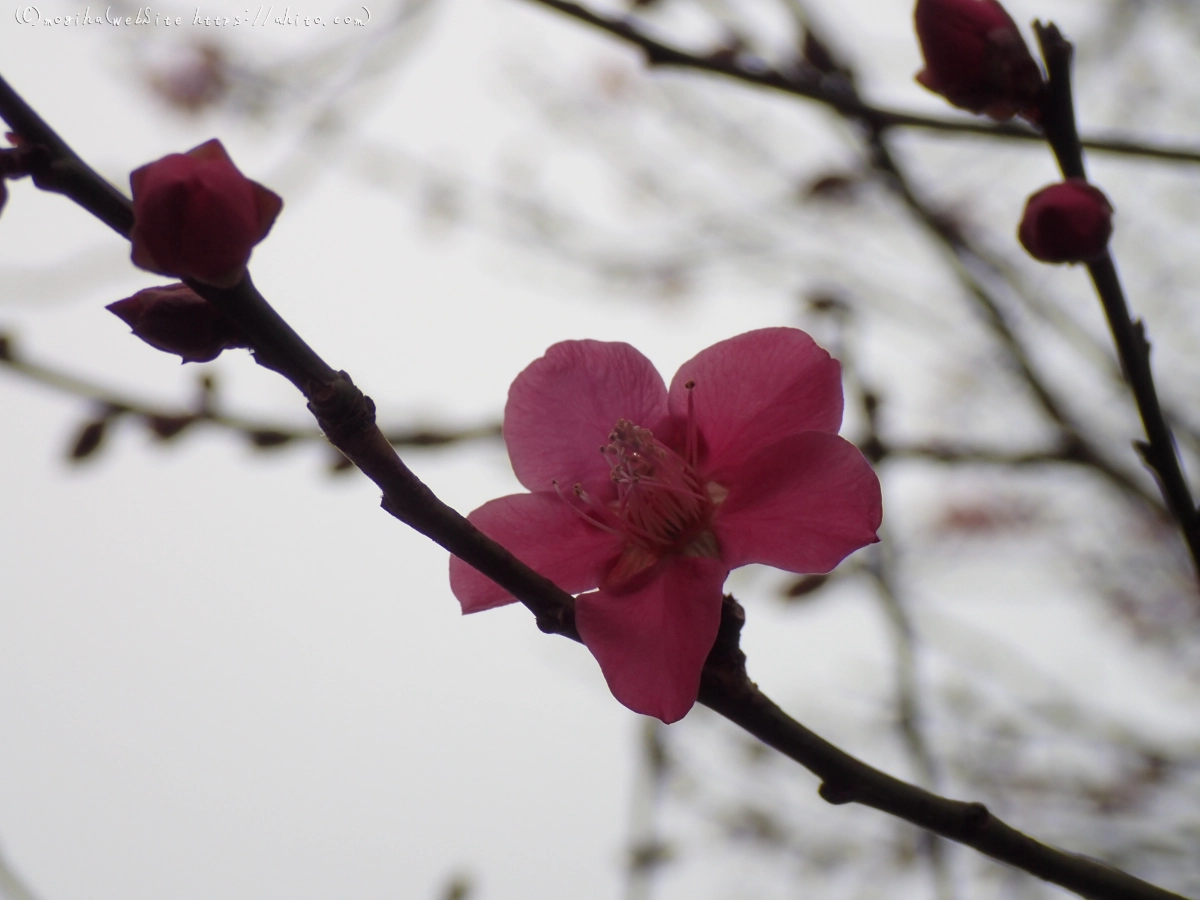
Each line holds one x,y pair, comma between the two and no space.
660,500
662,505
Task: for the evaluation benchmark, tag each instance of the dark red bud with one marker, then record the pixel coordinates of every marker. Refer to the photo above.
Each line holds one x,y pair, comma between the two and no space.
166,427
176,319
196,216
1066,222
88,441
976,58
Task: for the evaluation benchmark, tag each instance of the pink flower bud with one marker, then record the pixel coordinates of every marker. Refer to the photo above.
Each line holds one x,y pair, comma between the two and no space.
196,216
1066,222
976,58
175,319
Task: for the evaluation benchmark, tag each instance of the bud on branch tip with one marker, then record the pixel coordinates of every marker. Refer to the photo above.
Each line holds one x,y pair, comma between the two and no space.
197,216
976,58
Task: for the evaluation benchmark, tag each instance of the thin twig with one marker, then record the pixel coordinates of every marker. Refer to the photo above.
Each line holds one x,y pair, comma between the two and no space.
1079,444
802,81
254,429
647,853
347,418
840,94
1133,349
12,887
909,715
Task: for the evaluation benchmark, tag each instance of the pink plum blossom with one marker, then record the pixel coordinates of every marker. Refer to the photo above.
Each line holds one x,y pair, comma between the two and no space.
653,495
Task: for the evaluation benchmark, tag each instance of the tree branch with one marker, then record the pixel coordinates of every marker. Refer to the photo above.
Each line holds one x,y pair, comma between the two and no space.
1133,349
840,94
12,887
168,421
804,81
348,419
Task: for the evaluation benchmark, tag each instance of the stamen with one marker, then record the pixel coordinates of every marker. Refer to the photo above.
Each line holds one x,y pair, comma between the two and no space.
659,496
661,505
582,495
691,424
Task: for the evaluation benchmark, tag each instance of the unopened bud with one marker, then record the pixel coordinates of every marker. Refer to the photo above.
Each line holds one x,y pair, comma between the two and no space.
1068,222
196,216
175,319
976,58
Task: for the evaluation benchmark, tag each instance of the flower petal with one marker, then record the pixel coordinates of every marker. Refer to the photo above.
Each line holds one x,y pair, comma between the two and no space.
651,643
562,408
543,532
754,389
210,150
267,205
802,504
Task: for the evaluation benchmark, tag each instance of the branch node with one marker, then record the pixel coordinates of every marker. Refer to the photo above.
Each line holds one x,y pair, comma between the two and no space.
975,817
392,509
727,651
656,56
837,793
1139,337
341,409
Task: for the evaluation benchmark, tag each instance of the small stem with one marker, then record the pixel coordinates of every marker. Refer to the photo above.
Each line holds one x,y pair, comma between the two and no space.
68,383
1133,349
815,86
909,714
12,887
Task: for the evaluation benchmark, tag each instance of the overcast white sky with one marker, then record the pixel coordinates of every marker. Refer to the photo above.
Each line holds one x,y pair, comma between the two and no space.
224,674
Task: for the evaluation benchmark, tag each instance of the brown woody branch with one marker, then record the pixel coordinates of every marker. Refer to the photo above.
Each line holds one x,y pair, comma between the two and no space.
802,80
347,417
1133,349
